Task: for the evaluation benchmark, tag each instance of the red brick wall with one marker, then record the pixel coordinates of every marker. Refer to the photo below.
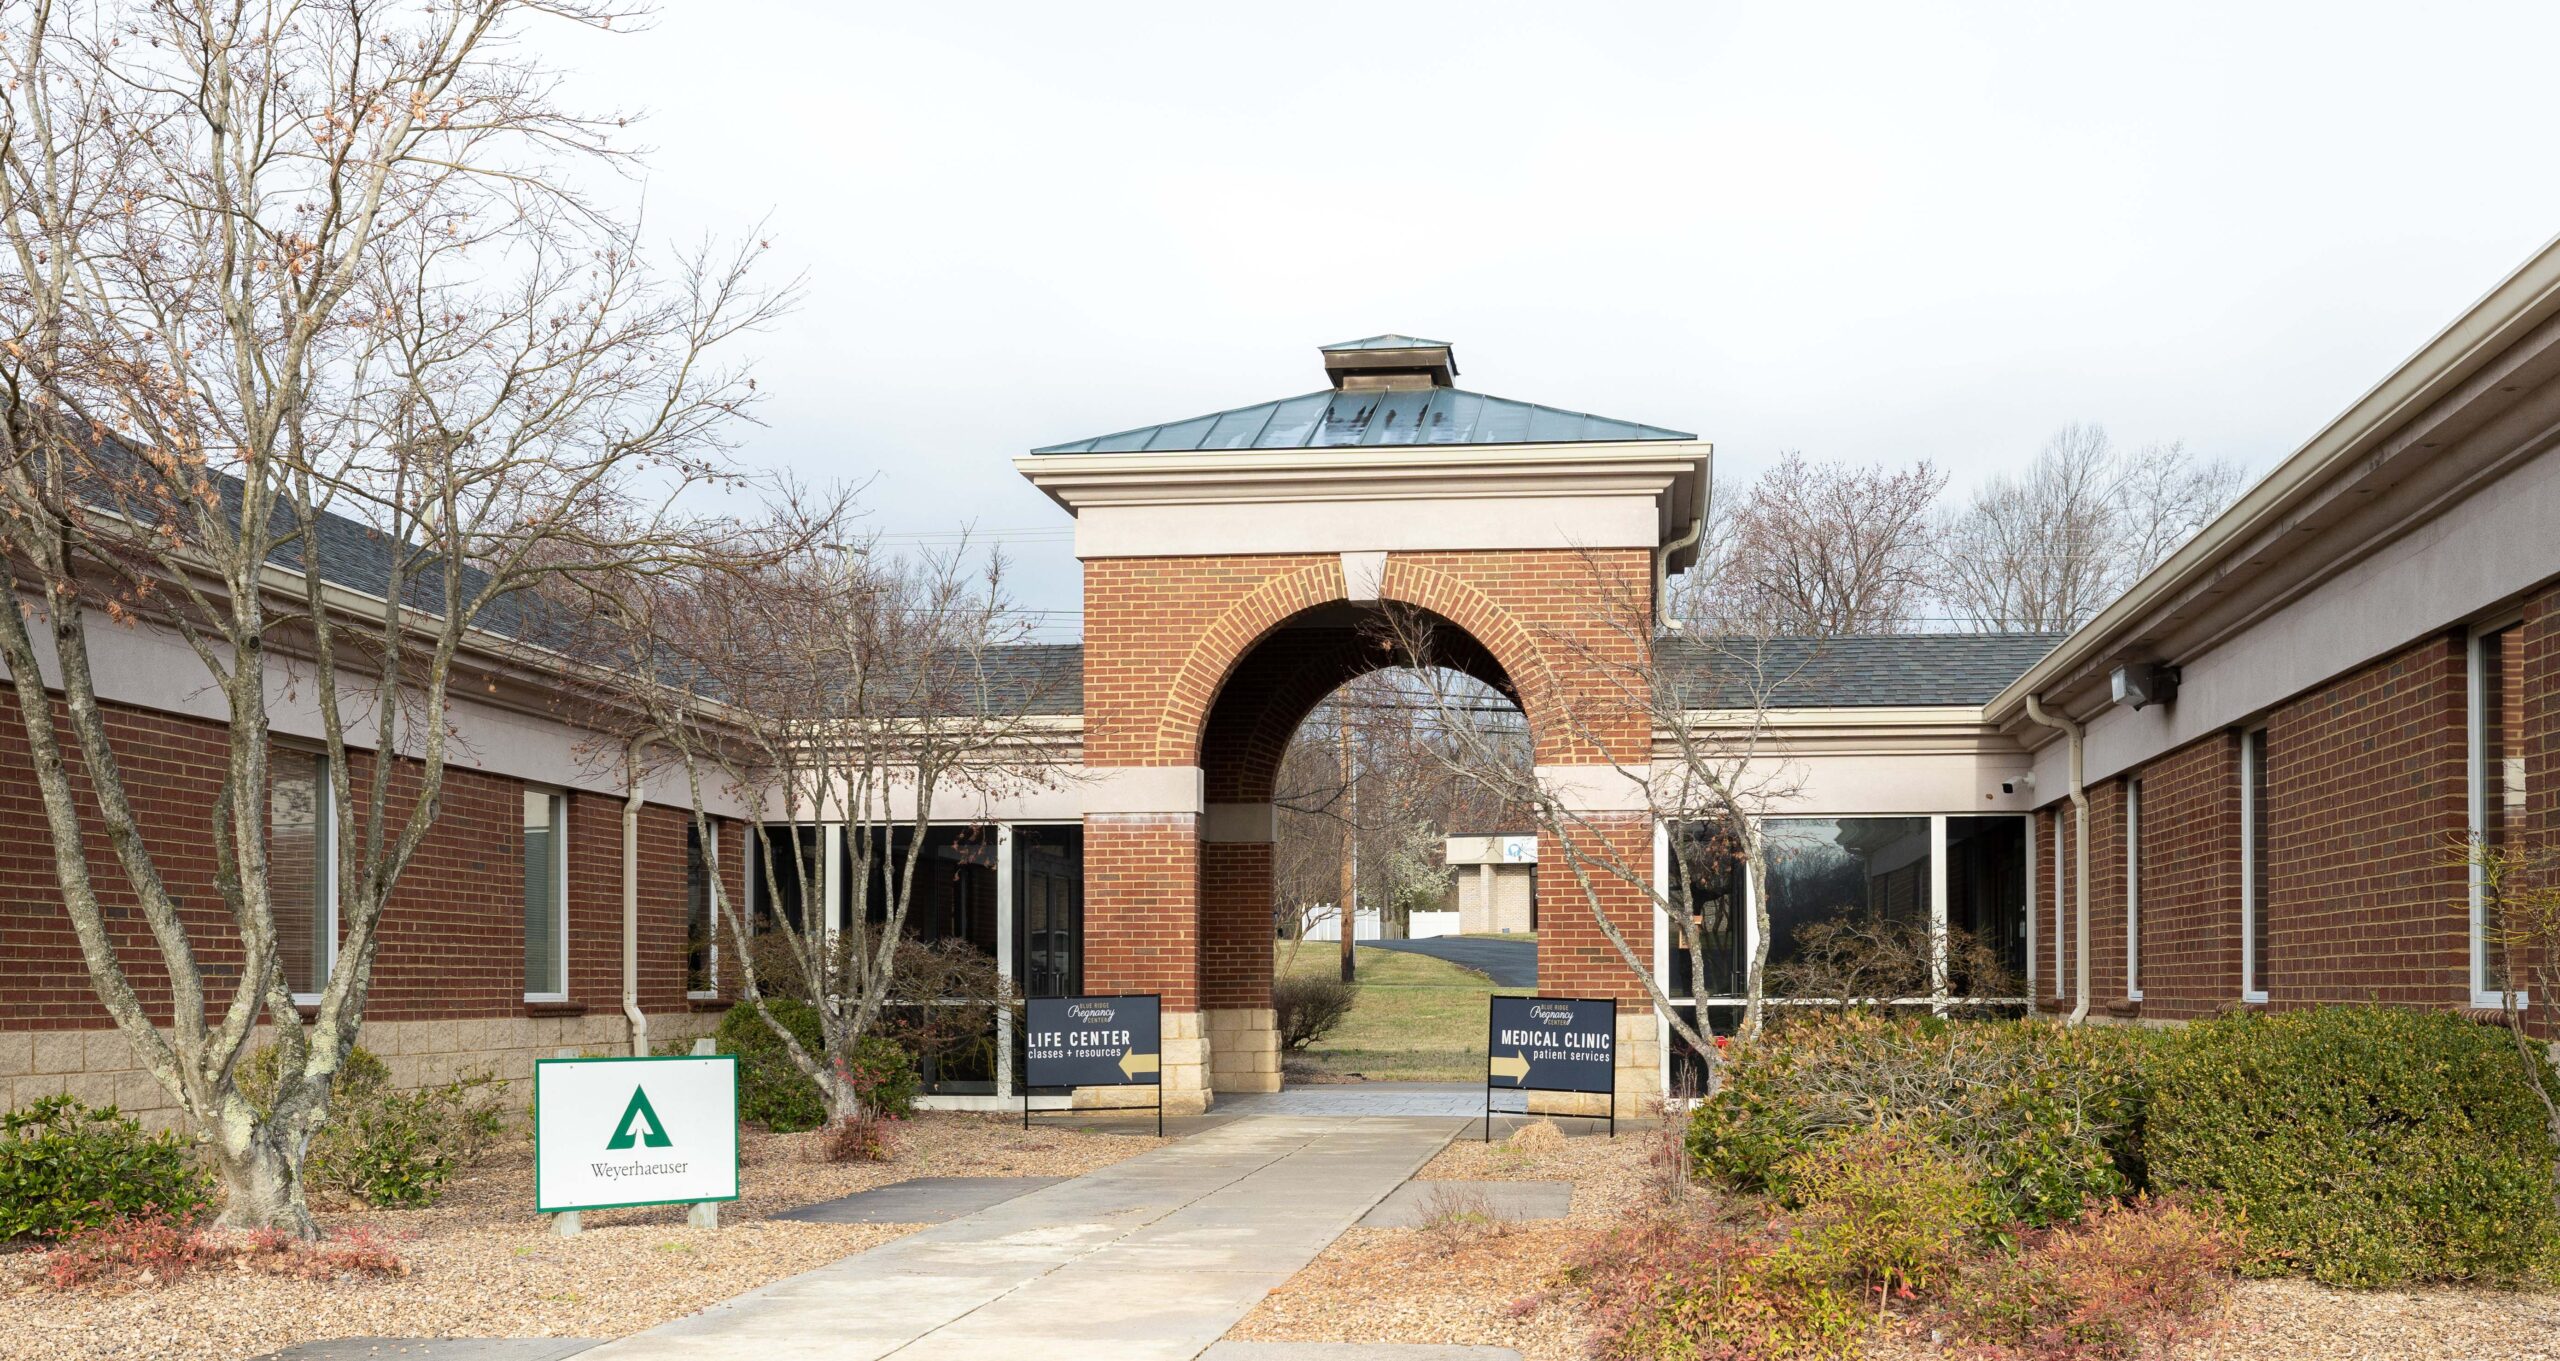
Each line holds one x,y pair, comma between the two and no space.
451,940
2365,782
1141,910
1235,924
2191,880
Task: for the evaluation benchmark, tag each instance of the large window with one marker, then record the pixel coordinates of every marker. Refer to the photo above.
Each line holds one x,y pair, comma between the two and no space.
701,924
546,896
2496,792
301,883
789,870
1825,869
2254,936
1705,863
2133,889
1048,910
2061,899
1987,900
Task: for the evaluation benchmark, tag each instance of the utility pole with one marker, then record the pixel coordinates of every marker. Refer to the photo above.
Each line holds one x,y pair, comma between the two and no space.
1349,911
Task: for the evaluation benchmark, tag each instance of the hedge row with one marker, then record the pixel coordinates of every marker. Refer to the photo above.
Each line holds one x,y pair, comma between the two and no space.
2358,1146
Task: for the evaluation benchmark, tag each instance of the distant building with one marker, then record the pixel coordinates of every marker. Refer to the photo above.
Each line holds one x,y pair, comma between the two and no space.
1495,888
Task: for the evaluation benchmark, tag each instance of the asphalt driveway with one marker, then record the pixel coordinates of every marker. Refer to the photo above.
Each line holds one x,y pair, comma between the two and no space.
1510,963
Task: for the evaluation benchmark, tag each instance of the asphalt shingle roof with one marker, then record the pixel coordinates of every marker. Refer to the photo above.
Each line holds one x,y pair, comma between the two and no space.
1873,670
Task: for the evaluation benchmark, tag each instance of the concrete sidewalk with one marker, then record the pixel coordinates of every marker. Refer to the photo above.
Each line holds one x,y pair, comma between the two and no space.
1153,1258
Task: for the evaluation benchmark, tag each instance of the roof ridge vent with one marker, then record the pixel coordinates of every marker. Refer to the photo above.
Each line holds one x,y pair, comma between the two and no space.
1390,362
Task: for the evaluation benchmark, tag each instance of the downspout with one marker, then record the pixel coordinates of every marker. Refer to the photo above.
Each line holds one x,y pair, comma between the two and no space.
1690,535
631,908
2080,868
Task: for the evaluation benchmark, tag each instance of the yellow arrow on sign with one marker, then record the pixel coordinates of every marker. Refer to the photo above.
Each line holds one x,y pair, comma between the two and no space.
1515,1067
1133,1064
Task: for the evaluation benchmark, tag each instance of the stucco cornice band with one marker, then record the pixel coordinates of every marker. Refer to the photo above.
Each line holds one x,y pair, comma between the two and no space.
1142,789
1597,788
1241,824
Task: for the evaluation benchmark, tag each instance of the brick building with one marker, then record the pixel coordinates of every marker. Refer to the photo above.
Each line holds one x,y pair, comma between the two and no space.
2237,786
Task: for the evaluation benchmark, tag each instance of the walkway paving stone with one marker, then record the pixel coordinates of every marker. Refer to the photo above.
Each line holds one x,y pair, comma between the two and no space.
1152,1259
1381,1099
925,1200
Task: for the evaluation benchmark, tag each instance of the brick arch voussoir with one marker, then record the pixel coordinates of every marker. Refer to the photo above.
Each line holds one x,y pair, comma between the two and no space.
1224,644
1513,644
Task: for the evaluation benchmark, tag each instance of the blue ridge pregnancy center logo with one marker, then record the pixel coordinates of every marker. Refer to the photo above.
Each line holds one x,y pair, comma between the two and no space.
638,1128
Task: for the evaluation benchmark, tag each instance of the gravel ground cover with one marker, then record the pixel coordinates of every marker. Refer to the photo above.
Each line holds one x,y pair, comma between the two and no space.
482,1264
1492,1287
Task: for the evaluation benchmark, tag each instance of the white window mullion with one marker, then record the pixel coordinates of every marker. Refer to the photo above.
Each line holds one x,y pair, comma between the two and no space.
2133,889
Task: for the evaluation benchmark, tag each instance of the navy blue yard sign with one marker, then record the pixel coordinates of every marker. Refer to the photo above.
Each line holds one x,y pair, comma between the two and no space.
1551,1044
1093,1042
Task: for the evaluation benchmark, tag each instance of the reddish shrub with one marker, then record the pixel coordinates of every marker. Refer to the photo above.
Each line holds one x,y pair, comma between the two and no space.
154,1248
2128,1280
1695,1291
860,1139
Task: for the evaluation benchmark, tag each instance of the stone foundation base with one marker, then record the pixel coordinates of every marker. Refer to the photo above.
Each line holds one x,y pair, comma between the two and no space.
98,1067
1244,1049
1183,1073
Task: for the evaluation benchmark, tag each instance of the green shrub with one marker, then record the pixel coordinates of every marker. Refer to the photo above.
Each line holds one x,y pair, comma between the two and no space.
67,1167
1308,1007
884,1077
2361,1146
1886,1207
2128,1281
2052,1116
773,1092
388,1147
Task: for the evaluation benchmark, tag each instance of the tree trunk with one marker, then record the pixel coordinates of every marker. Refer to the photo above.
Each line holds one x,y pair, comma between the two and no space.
261,1180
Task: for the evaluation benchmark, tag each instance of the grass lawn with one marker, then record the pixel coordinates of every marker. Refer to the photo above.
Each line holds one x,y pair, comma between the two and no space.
1418,1019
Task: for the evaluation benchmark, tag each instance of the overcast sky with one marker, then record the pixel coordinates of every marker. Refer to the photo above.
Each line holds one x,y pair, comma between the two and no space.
1868,233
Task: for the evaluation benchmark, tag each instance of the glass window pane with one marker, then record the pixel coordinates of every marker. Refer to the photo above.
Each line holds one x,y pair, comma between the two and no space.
1048,878
788,875
1713,876
697,913
2255,794
1873,871
298,866
542,898
1987,903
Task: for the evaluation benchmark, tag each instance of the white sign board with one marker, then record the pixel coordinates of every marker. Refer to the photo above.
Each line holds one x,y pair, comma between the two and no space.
610,1133
1519,850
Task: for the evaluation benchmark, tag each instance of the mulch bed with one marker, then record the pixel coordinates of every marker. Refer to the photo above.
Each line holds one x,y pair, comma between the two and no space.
482,1264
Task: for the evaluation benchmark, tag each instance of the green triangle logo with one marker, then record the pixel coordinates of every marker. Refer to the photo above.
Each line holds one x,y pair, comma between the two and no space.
639,1125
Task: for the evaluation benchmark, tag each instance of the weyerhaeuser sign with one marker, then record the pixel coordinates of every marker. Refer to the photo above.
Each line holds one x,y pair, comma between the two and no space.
611,1133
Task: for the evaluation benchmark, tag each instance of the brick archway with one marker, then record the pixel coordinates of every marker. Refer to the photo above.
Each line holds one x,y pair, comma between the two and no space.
1197,672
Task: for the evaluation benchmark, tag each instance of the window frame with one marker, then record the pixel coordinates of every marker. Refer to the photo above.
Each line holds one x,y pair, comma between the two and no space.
2476,788
2133,888
2253,775
324,814
558,801
696,847
2061,900
1941,996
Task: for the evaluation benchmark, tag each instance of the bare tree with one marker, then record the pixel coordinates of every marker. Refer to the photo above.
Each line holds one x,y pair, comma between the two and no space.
852,697
1821,550
2044,550
1714,769
309,364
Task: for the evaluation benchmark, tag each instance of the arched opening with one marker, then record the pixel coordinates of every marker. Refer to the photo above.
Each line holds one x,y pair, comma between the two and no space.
1334,779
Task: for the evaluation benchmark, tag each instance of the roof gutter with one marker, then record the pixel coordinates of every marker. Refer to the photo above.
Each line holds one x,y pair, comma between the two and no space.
1662,564
2080,844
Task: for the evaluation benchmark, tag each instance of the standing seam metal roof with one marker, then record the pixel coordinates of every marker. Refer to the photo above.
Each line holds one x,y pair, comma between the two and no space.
1325,420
